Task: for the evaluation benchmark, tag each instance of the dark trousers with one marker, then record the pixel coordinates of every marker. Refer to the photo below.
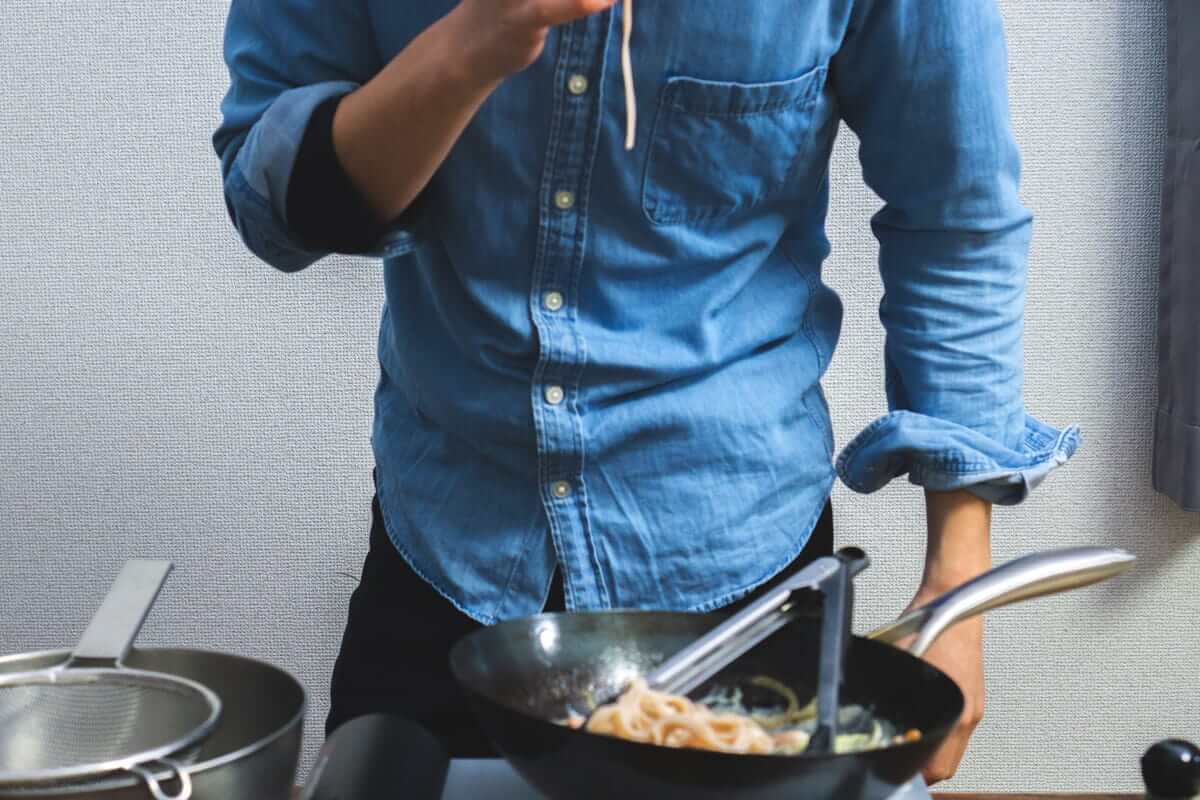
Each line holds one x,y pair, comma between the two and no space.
395,650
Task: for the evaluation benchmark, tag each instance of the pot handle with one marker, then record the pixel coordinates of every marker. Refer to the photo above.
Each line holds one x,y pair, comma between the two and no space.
155,787
116,623
1021,579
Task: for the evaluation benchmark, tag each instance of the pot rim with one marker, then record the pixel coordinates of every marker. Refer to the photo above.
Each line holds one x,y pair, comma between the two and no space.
122,779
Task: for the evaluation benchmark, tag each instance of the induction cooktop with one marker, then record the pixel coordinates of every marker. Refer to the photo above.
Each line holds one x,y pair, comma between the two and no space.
494,779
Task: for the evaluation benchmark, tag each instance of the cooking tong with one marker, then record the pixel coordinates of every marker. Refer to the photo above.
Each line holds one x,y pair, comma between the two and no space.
831,577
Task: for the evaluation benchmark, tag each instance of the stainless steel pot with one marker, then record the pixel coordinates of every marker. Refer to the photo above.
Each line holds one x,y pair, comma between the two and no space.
252,754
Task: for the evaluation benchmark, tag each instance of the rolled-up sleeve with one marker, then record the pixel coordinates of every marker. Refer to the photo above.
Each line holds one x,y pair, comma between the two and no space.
923,84
287,60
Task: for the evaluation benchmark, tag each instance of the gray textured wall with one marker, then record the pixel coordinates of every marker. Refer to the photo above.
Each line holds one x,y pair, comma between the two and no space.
162,393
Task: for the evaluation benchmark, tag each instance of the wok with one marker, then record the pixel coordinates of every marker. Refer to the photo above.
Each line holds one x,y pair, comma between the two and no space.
522,675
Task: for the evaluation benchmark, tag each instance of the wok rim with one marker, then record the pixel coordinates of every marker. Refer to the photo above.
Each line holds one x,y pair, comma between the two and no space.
931,739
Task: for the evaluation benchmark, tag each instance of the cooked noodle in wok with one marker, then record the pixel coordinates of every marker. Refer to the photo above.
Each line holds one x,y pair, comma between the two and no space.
720,722
643,715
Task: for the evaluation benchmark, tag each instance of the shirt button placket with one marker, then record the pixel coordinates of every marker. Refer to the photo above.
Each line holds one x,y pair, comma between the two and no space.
563,215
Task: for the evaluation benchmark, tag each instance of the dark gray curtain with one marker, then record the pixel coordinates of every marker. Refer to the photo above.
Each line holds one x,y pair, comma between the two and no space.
1177,423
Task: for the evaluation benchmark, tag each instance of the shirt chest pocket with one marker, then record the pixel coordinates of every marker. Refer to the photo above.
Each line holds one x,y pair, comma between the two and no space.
719,147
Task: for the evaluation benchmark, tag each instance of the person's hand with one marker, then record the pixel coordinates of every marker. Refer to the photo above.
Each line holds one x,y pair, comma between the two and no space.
500,37
959,653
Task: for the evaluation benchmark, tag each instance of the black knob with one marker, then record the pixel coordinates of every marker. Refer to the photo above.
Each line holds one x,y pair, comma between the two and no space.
1171,768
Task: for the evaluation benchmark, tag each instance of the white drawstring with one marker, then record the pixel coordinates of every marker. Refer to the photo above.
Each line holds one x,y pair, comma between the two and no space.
627,74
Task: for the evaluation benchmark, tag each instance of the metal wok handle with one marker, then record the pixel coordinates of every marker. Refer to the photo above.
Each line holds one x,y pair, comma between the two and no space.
1021,579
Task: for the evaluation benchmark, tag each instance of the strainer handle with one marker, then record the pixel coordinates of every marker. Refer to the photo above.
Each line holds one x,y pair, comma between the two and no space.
147,777
116,623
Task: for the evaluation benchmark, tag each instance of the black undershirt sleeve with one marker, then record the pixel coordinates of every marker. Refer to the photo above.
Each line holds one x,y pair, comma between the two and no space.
325,210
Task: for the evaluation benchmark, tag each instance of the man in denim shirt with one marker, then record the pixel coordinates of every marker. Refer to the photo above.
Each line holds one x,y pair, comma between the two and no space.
601,347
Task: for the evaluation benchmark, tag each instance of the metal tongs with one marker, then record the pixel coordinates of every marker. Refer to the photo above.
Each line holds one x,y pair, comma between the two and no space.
832,577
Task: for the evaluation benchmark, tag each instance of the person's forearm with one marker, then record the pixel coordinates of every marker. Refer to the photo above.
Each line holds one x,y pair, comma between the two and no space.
959,546
393,133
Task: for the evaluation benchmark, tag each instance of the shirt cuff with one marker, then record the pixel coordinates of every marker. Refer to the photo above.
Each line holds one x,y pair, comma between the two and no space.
324,207
943,456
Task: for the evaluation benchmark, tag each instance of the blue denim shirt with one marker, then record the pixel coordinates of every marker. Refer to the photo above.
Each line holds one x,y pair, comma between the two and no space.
610,360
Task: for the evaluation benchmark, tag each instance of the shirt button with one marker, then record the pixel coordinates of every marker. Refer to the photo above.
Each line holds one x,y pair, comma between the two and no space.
554,395
564,200
553,301
577,84
560,489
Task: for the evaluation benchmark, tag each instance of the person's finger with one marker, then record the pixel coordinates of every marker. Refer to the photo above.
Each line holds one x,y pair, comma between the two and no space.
958,653
946,760
545,13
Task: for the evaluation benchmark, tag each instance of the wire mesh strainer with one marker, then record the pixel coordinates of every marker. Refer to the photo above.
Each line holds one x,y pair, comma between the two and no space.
91,716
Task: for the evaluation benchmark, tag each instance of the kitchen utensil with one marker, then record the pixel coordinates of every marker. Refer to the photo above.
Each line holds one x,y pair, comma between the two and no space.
1022,578
372,756
1171,769
251,755
699,661
522,675
92,714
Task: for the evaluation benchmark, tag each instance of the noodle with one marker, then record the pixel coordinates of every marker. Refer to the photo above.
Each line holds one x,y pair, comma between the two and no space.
627,74
790,715
641,714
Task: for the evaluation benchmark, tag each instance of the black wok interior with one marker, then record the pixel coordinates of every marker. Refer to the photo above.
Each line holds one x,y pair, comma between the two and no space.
523,674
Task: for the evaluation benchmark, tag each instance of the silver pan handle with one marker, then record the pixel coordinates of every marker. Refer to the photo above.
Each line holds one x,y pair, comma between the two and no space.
1021,579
